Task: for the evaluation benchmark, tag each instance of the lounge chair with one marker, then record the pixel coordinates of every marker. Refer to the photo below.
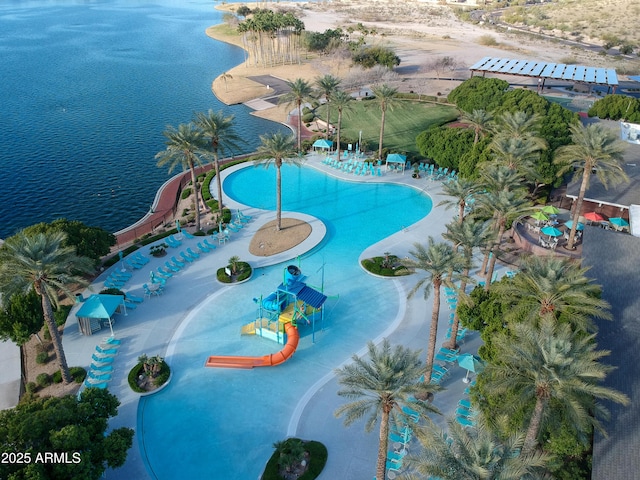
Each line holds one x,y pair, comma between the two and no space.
203,248
177,262
172,241
132,264
412,414
110,284
99,376
122,276
111,341
463,402
187,234
107,351
101,359
169,266
186,256
140,258
193,254
464,421
93,384
207,243
164,273
102,368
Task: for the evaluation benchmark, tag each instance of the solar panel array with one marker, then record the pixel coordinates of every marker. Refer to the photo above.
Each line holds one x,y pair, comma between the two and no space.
556,71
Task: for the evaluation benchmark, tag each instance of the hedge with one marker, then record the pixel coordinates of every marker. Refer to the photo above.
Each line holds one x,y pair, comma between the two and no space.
317,459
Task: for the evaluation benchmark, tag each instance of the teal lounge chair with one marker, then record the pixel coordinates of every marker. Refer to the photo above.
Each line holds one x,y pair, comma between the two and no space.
186,257
177,262
100,359
90,384
99,376
171,267
187,234
193,254
203,248
102,368
209,244
109,351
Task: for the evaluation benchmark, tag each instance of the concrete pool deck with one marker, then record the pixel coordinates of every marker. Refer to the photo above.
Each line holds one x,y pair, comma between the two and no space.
150,328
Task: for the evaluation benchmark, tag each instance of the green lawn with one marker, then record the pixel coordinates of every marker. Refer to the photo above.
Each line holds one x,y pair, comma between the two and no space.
402,124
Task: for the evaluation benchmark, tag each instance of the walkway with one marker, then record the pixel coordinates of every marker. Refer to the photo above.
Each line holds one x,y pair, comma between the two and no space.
150,328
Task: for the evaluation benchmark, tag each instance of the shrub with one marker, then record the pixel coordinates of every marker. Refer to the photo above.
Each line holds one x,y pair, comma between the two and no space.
317,460
57,376
61,313
386,267
488,41
78,374
46,335
111,291
31,387
43,380
42,358
308,117
185,193
133,378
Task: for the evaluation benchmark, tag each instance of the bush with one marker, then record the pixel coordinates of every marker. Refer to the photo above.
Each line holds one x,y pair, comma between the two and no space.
133,378
57,376
185,193
389,267
308,117
43,380
488,41
244,272
78,374
31,388
61,313
317,460
42,358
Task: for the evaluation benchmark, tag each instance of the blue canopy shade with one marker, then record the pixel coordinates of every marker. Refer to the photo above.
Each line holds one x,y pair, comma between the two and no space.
322,143
396,158
569,224
100,307
551,231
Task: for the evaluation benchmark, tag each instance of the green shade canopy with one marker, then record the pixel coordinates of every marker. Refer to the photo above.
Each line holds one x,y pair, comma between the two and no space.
551,209
539,216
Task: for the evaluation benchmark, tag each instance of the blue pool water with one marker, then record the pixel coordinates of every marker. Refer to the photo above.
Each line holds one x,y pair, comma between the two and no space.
87,90
221,423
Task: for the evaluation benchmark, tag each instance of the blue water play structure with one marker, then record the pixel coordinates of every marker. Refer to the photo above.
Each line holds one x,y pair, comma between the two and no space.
292,302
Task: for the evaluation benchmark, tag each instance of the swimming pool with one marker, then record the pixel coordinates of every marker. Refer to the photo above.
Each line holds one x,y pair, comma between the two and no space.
217,423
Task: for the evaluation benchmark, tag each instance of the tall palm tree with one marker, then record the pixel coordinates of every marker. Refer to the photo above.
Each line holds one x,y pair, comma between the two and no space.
342,101
518,154
42,264
328,85
380,385
480,121
386,97
470,234
441,263
300,92
495,177
462,191
552,286
550,366
279,149
473,454
219,130
517,125
594,149
186,150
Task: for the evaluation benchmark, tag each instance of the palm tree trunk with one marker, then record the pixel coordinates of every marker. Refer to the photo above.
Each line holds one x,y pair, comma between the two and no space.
278,198
578,207
492,262
383,445
299,127
216,164
194,182
381,134
433,330
461,206
328,119
452,343
55,335
531,439
338,132
485,261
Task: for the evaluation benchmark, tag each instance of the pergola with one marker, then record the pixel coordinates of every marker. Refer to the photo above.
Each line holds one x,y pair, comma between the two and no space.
98,310
547,70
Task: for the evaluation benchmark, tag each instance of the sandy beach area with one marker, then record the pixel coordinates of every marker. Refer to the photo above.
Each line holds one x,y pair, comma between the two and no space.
419,33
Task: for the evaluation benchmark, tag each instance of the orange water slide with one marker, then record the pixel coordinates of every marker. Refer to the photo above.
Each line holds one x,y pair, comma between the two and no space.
293,337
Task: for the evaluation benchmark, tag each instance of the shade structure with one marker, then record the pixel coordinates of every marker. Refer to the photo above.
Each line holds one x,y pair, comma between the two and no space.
551,231
619,221
569,224
540,216
470,363
594,217
551,209
100,309
322,143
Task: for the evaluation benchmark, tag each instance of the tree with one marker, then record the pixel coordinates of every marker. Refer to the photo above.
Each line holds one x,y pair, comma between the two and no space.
595,149
462,191
473,454
342,101
550,366
440,262
469,234
385,96
219,130
279,149
40,263
617,107
369,57
20,317
74,429
328,86
91,242
380,386
479,93
185,149
226,76
300,92
480,121
445,145
555,288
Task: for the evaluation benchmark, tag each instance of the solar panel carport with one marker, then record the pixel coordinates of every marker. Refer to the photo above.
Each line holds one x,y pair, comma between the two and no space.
543,70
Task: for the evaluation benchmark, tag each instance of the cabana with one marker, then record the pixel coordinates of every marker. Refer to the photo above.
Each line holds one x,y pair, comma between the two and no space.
96,312
323,144
395,161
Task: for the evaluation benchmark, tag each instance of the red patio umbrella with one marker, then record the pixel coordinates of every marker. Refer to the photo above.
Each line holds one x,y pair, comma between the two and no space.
594,217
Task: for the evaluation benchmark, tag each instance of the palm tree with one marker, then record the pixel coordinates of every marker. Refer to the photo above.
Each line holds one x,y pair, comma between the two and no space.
480,121
518,154
440,262
473,454
380,386
342,101
461,191
554,287
279,149
550,366
328,85
219,129
226,76
300,93
385,96
185,149
470,234
41,263
594,149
